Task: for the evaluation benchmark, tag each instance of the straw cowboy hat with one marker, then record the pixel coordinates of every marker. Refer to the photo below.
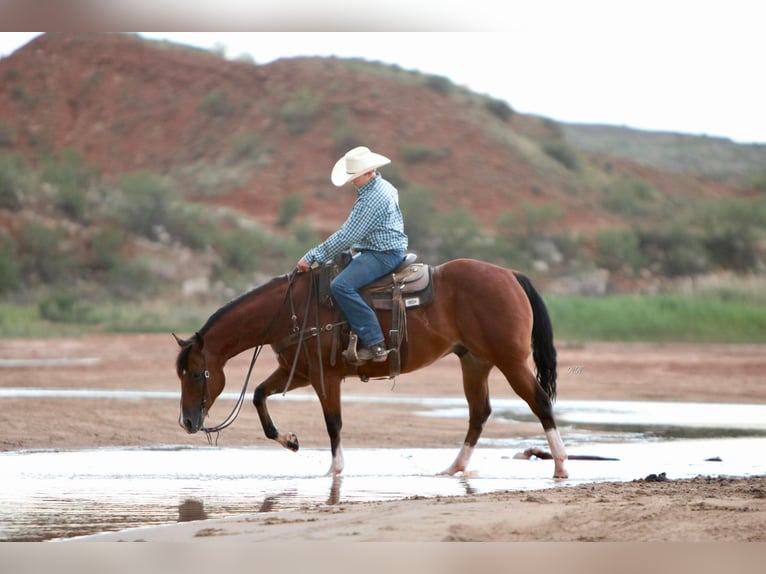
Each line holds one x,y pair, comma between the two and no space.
356,162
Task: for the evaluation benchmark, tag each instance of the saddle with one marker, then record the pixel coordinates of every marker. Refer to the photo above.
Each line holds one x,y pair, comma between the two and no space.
406,287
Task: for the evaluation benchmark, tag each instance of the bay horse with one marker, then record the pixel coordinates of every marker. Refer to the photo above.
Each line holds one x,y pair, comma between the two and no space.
487,315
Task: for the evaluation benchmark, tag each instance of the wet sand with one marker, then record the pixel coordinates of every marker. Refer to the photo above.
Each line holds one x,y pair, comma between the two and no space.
703,509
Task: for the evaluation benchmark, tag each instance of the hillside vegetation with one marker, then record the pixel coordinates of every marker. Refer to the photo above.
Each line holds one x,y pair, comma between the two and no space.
151,175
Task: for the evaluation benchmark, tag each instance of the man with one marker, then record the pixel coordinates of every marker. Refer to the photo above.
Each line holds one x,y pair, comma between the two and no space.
375,231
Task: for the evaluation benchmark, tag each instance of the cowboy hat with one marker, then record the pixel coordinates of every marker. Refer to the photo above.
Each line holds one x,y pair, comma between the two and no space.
356,162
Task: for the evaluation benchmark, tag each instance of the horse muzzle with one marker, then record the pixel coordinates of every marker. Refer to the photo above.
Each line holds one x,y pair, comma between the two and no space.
192,424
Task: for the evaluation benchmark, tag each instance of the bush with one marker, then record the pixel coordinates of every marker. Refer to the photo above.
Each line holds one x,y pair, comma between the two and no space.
40,255
300,111
630,198
730,230
617,249
10,279
530,220
499,108
440,84
290,207
7,136
417,153
419,215
63,306
145,204
130,279
104,248
216,103
11,175
460,234
71,178
247,146
673,251
563,154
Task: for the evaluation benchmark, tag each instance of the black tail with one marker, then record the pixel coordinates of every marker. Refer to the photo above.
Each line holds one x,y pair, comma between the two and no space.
543,351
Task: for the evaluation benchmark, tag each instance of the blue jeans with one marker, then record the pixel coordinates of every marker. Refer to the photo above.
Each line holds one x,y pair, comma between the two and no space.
363,269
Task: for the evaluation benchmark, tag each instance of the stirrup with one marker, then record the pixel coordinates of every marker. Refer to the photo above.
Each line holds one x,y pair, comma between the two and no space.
350,353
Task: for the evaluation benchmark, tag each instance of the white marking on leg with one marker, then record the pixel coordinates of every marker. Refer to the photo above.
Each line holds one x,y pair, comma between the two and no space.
461,462
558,452
336,467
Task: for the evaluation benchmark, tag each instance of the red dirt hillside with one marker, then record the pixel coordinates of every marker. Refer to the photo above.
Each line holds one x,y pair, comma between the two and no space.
129,104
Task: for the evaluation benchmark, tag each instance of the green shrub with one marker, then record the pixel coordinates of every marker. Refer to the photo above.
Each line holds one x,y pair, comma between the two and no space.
630,197
419,214
499,108
563,154
300,111
71,177
104,248
40,255
144,205
730,230
216,103
63,306
418,153
130,279
10,278
247,146
7,136
530,220
10,196
440,84
673,250
459,233
240,249
290,207
617,249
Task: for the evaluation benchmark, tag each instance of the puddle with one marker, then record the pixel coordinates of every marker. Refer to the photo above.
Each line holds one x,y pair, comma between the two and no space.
49,495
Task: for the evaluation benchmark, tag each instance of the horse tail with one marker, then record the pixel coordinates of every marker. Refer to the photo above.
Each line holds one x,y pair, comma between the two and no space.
543,351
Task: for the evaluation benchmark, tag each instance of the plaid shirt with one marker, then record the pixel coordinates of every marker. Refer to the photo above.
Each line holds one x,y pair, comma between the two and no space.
375,223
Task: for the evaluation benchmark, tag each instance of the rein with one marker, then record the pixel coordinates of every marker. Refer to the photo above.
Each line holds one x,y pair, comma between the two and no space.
299,335
229,420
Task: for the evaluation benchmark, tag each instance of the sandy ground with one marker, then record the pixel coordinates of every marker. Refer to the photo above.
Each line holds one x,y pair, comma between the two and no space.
703,509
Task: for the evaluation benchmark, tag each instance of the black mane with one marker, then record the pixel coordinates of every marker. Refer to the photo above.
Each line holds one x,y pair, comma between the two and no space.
235,302
183,357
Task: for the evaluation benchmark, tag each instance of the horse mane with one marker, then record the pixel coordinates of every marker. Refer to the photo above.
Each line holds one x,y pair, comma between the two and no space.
215,317
183,357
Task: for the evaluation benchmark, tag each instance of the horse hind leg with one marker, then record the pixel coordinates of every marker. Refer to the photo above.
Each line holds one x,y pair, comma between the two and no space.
524,383
331,407
476,388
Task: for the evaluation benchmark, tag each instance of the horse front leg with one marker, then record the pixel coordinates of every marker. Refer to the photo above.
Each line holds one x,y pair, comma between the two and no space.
275,383
330,401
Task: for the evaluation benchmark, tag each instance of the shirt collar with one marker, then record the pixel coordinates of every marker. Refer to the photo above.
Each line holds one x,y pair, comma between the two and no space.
368,185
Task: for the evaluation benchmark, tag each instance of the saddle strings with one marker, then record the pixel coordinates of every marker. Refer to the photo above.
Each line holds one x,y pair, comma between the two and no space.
312,288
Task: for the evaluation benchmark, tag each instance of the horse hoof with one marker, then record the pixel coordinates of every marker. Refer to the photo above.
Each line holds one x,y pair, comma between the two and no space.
292,442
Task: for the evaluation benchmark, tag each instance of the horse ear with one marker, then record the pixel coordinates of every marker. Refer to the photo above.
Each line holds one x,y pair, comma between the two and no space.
181,342
198,339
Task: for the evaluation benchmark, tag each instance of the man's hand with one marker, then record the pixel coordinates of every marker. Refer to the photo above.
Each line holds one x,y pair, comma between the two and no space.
303,265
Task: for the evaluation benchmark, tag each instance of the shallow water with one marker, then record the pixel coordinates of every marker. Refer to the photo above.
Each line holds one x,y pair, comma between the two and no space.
63,494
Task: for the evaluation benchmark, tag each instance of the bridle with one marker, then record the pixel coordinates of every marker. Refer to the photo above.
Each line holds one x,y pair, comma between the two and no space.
298,336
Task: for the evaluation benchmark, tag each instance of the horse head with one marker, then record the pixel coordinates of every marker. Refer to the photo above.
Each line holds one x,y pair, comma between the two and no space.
202,380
